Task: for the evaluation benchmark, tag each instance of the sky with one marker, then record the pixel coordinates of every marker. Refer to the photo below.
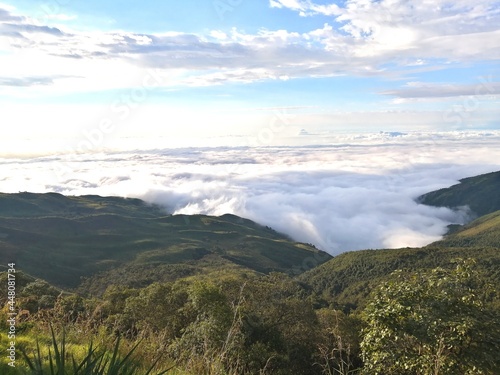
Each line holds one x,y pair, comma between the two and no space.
220,70
323,119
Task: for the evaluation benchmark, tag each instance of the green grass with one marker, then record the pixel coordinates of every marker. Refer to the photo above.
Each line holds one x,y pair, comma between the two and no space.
62,359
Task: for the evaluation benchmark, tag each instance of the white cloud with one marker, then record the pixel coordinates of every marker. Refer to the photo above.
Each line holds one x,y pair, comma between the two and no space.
306,7
360,39
485,87
340,192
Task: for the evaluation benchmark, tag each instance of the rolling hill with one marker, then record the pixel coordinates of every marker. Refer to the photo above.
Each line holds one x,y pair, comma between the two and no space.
482,232
103,240
347,280
174,282
481,193
64,239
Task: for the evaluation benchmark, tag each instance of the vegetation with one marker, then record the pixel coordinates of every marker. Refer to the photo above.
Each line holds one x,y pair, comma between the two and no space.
201,295
95,362
62,239
347,280
482,232
431,323
479,193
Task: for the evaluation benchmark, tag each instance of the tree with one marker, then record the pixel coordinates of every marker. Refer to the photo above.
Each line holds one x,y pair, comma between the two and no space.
338,349
431,323
209,344
37,295
280,326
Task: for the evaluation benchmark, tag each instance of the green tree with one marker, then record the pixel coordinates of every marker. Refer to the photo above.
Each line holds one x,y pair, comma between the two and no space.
166,300
280,326
431,323
209,344
37,295
338,347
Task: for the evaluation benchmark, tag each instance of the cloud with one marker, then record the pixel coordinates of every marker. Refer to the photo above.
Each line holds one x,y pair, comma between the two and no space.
5,15
12,28
361,39
339,192
29,81
307,8
485,87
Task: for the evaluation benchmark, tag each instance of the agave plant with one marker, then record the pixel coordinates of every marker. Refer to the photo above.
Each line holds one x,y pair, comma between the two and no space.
95,362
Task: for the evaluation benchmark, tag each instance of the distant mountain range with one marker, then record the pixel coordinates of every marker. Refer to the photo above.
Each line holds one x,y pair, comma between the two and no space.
91,242
62,239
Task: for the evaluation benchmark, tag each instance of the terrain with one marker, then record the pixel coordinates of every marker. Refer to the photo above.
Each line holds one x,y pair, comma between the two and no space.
225,295
479,193
63,239
348,279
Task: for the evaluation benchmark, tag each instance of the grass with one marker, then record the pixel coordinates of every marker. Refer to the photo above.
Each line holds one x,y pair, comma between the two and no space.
61,358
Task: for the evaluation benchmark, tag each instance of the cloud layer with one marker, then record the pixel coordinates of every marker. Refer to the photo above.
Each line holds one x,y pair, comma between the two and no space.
343,193
362,38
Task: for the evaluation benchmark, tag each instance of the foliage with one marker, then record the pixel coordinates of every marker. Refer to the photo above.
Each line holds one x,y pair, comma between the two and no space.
95,362
230,324
347,280
338,351
431,323
483,232
62,239
480,193
209,344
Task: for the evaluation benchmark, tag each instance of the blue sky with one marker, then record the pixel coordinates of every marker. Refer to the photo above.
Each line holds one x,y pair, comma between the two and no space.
175,69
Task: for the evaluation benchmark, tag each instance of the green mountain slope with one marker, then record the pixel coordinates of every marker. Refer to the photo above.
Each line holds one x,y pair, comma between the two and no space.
484,232
32,205
347,279
480,193
62,239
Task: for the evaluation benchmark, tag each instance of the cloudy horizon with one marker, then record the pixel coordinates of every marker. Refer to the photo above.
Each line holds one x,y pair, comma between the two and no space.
324,119
223,67
358,192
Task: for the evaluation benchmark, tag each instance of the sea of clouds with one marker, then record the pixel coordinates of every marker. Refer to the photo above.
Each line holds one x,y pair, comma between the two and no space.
339,192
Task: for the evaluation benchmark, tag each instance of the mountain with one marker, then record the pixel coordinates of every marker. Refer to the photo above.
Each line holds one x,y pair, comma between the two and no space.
481,193
482,232
216,285
346,280
107,240
31,205
63,239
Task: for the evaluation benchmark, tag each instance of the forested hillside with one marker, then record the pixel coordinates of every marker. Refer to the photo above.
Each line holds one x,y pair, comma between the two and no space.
479,193
62,239
194,295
